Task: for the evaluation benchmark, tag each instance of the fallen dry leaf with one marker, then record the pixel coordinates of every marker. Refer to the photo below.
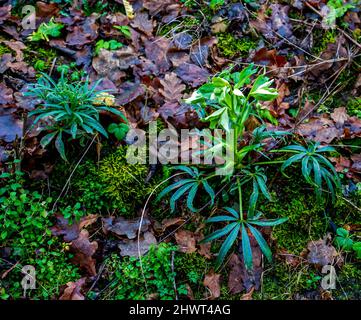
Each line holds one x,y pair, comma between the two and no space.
123,227
83,251
192,74
73,290
71,232
248,295
186,241
172,88
322,253
130,247
235,284
213,283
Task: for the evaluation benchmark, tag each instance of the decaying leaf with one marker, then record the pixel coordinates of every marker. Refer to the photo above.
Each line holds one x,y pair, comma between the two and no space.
192,74
73,290
10,127
186,241
235,275
131,248
212,281
172,88
123,227
112,64
70,231
322,253
6,94
84,33
83,251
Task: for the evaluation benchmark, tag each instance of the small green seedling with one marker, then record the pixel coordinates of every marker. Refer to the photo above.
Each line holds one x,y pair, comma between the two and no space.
119,130
108,45
46,30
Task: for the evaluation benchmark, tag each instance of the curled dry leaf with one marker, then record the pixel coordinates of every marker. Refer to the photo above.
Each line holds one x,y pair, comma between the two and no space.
339,115
16,46
6,94
156,51
290,259
235,284
10,127
128,92
83,251
5,13
166,223
212,281
73,290
248,295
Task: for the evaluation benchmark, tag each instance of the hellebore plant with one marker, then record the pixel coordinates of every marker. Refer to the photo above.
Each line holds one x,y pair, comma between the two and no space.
228,101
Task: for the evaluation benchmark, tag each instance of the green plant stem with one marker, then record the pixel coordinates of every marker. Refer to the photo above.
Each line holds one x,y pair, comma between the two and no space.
240,199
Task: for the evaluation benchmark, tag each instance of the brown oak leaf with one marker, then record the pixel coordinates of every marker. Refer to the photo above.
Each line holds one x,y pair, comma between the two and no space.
172,88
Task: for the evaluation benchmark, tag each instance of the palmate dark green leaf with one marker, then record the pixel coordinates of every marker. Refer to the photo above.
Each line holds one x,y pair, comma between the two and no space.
328,164
326,149
115,111
226,246
293,148
318,177
180,192
262,242
289,161
253,199
190,198
187,170
306,169
220,233
246,249
261,180
209,190
330,181
97,126
73,130
172,187
232,212
221,219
